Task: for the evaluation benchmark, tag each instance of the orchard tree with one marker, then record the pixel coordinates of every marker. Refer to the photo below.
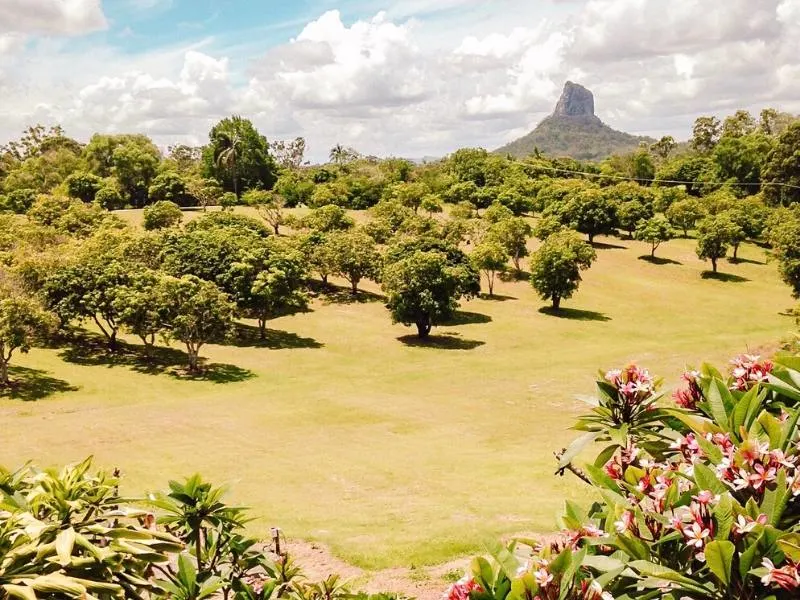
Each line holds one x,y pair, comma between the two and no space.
684,214
238,156
170,186
714,236
296,188
199,313
664,147
431,204
268,282
23,320
269,206
489,258
354,256
556,266
83,186
587,211
497,212
630,213
327,218
161,215
513,235
142,306
785,240
289,154
547,226
410,195
705,134
423,289
654,231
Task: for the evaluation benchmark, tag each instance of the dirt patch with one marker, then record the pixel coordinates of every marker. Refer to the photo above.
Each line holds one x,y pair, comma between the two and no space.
424,583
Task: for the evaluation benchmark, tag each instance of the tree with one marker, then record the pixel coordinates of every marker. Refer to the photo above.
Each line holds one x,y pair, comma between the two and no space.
83,186
683,214
431,204
207,192
23,320
785,240
739,124
327,218
171,186
654,231
199,313
295,188
587,211
556,266
705,134
497,212
269,206
142,306
161,215
547,226
423,289
354,256
339,155
18,201
268,282
630,214
410,195
238,156
664,147
289,154
715,235
740,159
490,258
513,235
781,175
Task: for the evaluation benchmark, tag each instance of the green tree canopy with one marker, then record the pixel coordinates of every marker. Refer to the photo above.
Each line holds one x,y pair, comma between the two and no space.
556,266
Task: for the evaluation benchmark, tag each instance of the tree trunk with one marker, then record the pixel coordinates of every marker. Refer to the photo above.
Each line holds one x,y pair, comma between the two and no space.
423,329
516,258
262,328
354,286
735,251
276,227
653,252
490,280
193,352
714,265
685,232
556,302
324,278
3,372
591,238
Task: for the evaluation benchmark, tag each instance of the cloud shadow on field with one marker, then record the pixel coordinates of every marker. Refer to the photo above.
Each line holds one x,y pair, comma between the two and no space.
574,314
726,277
446,341
463,317
658,260
30,385
248,336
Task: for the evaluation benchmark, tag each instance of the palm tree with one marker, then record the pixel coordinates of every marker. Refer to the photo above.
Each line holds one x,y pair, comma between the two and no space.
338,154
229,149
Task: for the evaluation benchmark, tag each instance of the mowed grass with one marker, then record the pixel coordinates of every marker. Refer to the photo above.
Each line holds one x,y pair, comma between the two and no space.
395,454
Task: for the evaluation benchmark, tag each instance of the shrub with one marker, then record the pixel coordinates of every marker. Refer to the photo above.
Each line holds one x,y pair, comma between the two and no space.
700,499
161,215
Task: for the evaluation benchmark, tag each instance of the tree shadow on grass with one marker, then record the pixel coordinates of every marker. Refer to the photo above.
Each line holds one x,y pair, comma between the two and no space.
496,297
737,261
658,260
30,385
514,275
463,317
90,350
574,314
336,294
248,336
605,246
447,341
726,277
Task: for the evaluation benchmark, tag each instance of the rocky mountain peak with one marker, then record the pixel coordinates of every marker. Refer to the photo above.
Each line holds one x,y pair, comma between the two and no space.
575,101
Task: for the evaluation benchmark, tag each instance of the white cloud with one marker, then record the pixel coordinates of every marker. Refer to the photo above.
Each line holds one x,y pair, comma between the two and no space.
419,79
59,17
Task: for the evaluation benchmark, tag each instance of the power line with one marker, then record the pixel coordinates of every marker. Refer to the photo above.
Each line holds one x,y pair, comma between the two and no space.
674,181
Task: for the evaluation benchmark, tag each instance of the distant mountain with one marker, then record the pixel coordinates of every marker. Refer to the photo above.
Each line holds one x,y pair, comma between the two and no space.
574,130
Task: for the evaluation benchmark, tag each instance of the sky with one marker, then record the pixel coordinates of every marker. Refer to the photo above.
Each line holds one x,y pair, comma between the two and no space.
409,78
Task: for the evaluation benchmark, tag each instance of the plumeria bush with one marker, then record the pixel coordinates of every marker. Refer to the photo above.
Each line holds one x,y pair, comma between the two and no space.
695,496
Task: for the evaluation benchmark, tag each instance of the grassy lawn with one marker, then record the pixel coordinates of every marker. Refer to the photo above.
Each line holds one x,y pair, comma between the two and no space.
337,430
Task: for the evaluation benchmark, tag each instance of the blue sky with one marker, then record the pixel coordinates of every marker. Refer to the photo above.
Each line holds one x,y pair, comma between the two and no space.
411,77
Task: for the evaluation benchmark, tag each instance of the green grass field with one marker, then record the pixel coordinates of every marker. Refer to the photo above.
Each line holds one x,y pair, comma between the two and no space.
394,454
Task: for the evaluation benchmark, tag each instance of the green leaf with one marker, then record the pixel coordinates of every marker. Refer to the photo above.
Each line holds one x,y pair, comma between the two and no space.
23,592
747,557
65,542
790,429
719,557
720,401
772,427
509,563
776,498
59,585
790,546
631,546
707,479
723,513
576,447
662,573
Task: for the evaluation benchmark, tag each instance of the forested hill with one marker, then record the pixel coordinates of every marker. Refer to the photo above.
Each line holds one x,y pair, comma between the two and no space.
574,130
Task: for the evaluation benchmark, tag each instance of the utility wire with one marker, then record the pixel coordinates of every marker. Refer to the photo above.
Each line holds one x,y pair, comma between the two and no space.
675,181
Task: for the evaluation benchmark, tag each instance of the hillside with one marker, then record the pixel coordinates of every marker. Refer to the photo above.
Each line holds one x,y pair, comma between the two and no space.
574,130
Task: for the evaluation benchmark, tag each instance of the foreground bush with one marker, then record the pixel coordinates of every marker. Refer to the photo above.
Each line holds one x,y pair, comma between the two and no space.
69,534
698,500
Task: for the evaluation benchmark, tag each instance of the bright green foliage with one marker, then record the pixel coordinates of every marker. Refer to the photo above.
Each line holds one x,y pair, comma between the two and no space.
547,226
654,231
431,204
161,215
199,312
497,212
18,201
630,213
238,156
23,321
171,186
740,160
409,195
233,222
296,189
268,280
783,167
132,159
705,134
785,241
423,288
714,236
586,210
556,266
513,235
665,197
354,256
141,306
684,214
327,218
489,258
269,206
